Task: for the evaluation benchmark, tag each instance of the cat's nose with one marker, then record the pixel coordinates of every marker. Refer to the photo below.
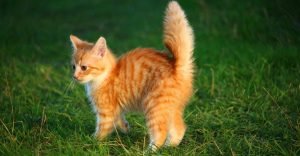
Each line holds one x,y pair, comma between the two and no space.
75,77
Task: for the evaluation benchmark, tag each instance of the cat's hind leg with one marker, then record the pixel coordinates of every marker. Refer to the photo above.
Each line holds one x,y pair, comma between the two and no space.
157,115
176,130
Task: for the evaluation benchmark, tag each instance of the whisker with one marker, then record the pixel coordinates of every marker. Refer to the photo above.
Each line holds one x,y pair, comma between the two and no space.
70,86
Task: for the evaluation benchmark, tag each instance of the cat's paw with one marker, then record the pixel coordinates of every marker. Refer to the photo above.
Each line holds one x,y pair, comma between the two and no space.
124,127
97,135
152,148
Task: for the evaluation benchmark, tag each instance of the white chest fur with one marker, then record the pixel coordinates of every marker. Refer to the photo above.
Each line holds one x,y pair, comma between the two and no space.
89,90
91,86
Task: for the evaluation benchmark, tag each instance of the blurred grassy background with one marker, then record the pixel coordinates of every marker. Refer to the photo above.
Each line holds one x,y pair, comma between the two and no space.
247,87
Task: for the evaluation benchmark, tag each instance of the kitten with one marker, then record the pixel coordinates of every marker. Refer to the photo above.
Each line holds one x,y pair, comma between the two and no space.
143,79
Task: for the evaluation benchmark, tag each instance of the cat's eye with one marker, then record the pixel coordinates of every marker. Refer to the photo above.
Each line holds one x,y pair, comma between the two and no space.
83,68
73,67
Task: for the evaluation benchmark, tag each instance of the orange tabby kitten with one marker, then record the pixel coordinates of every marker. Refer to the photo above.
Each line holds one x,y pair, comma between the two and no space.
143,79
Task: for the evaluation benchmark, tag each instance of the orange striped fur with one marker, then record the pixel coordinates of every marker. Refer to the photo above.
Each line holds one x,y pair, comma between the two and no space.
144,79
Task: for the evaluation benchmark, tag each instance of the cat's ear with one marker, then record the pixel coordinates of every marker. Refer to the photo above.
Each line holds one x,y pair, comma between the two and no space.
100,47
75,41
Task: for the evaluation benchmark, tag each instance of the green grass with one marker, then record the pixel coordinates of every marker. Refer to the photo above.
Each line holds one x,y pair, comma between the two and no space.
247,84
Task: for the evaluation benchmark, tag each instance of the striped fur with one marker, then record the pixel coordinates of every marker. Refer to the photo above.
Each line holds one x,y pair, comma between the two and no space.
143,80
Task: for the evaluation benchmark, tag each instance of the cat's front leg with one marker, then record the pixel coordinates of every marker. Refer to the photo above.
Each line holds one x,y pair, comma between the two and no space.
105,124
123,125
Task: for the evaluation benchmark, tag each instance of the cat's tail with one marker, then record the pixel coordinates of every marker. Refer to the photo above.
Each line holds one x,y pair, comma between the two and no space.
179,39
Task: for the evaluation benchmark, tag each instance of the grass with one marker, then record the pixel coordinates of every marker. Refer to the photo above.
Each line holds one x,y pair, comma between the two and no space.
247,84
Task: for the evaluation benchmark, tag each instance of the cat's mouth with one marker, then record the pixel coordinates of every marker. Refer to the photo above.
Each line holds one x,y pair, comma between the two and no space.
80,80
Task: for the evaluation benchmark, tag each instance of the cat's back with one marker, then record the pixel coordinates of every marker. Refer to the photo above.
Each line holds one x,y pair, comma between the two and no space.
145,60
146,54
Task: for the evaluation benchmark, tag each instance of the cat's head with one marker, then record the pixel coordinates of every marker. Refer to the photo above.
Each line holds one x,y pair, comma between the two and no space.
89,61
